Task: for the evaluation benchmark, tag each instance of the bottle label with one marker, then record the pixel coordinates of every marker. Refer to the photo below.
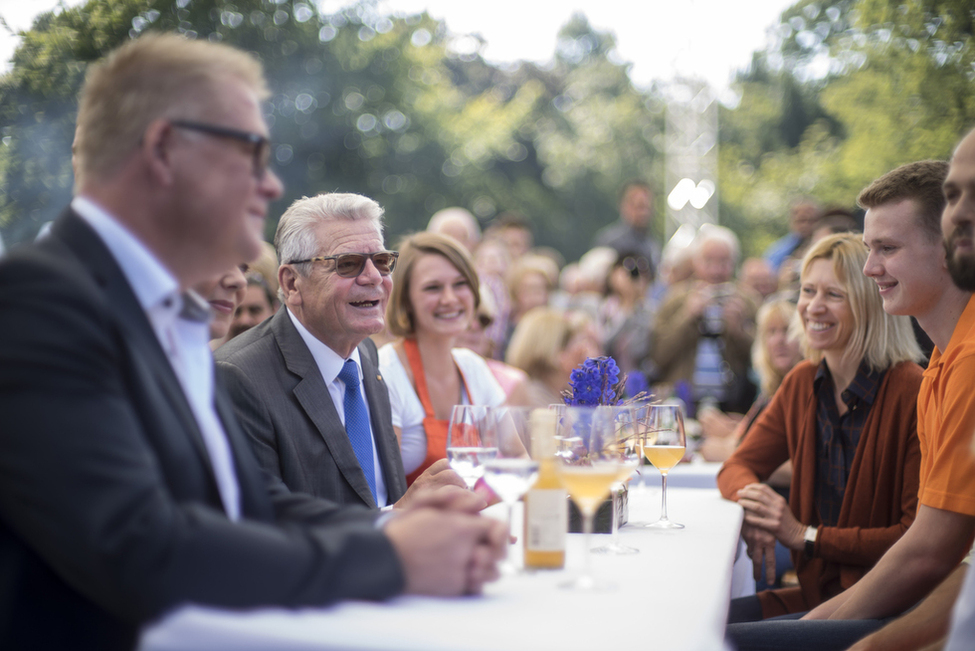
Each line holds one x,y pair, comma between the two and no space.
547,520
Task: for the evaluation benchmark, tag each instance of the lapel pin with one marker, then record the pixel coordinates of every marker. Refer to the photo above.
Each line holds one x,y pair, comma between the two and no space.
379,377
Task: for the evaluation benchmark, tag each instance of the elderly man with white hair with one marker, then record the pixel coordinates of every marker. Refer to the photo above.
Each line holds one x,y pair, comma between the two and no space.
705,327
459,224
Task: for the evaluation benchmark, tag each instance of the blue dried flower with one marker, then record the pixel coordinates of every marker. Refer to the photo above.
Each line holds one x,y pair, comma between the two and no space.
595,382
636,384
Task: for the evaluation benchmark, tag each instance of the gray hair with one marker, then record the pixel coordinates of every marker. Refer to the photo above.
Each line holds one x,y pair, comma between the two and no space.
295,238
712,233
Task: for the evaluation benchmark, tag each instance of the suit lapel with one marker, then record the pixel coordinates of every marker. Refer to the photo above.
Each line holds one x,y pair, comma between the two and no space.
75,235
315,400
382,425
253,493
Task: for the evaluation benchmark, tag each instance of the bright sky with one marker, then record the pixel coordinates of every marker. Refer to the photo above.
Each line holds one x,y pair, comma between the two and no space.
704,38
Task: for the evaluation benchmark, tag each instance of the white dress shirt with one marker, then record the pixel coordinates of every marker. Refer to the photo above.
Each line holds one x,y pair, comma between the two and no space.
330,365
480,388
186,342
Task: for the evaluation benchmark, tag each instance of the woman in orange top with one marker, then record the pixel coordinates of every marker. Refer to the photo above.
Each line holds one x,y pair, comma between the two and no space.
434,297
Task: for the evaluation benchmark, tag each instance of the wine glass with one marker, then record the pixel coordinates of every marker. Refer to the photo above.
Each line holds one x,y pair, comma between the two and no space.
641,417
631,454
590,464
664,443
469,442
512,472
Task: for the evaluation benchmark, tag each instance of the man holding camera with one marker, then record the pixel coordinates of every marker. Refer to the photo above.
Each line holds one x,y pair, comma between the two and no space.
704,330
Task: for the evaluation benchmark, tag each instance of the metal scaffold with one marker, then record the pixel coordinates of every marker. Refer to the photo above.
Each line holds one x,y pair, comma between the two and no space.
692,156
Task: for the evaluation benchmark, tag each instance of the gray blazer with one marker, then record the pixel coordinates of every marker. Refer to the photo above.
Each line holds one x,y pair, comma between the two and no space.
283,404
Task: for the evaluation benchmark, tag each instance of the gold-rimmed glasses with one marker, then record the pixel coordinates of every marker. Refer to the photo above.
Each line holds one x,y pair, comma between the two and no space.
350,265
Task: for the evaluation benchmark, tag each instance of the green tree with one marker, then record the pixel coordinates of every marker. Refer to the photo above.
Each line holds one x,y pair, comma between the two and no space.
881,83
364,102
595,131
38,108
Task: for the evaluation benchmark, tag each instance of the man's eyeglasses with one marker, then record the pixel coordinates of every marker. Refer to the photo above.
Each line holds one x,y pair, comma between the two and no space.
350,265
261,145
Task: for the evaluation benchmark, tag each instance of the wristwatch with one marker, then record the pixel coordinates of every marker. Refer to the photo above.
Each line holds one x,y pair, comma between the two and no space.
810,538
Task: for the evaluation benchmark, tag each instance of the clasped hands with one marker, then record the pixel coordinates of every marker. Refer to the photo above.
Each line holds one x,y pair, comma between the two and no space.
445,547
767,519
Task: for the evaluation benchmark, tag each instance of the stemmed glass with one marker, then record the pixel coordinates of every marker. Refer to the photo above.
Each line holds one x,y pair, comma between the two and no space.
590,463
512,472
631,454
664,444
470,442
641,417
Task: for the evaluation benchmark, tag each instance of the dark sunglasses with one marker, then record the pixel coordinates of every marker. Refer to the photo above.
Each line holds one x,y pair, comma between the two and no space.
350,265
261,146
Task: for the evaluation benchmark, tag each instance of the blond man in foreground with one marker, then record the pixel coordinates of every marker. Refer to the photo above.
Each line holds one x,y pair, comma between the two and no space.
127,487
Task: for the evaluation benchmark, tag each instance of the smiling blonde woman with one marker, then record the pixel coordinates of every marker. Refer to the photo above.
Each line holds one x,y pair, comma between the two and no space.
847,419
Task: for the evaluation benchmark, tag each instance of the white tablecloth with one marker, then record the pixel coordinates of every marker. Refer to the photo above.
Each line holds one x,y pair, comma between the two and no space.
672,595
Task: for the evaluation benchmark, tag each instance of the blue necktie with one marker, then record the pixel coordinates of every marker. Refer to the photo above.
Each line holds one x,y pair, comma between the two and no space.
357,423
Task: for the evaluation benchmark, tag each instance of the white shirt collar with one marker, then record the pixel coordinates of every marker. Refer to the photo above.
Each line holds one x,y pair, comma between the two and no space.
183,340
329,362
150,280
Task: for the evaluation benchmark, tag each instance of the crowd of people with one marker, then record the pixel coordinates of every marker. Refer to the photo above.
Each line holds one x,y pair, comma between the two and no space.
307,465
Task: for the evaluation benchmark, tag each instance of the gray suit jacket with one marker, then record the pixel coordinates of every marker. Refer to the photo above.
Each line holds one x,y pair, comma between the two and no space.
284,406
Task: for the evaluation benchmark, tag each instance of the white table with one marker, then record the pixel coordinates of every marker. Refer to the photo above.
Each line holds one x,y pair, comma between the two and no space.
701,474
672,595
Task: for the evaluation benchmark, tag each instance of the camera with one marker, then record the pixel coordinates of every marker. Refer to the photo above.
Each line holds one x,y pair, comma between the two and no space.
712,321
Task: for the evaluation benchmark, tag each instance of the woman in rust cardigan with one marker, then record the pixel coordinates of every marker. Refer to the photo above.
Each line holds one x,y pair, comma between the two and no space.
846,418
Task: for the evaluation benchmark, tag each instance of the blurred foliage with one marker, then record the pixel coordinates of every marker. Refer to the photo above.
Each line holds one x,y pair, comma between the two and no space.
844,92
392,107
396,108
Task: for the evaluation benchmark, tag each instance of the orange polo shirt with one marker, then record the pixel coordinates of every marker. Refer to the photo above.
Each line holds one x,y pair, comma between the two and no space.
946,422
